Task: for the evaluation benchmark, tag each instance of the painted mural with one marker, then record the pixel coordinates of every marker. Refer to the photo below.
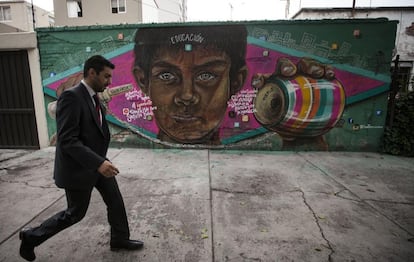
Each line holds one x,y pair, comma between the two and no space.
228,85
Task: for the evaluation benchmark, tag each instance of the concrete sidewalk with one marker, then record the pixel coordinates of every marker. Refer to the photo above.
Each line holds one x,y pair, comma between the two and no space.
206,205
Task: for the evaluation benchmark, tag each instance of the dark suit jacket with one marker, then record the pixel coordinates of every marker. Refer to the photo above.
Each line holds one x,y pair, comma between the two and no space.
82,143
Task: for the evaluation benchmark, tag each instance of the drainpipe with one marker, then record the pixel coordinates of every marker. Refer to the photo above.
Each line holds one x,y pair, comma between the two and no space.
353,8
33,16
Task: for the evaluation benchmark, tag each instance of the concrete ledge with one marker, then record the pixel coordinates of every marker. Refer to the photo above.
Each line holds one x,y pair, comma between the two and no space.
20,40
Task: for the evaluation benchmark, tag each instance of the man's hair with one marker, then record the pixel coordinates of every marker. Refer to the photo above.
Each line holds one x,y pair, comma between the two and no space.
228,38
98,63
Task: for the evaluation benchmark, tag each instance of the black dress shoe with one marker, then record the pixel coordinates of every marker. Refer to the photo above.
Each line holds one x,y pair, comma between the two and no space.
127,244
26,249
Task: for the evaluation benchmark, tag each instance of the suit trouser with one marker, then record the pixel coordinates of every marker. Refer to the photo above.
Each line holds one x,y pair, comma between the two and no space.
78,203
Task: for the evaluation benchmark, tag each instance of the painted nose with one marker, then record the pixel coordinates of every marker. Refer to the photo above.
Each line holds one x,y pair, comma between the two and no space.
187,95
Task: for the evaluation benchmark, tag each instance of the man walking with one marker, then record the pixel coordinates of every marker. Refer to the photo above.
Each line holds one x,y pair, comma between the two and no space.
81,164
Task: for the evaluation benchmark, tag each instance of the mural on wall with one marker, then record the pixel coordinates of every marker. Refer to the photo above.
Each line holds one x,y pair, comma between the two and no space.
217,85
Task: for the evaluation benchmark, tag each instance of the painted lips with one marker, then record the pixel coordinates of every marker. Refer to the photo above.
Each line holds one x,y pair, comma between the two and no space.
184,118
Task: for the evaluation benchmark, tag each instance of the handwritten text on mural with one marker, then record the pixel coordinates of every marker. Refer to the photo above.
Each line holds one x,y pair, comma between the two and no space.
186,38
141,107
242,102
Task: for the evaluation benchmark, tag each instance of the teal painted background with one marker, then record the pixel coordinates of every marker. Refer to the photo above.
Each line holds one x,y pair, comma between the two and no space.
361,64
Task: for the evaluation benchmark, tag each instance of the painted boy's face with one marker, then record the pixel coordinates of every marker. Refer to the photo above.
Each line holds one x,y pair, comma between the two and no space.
190,90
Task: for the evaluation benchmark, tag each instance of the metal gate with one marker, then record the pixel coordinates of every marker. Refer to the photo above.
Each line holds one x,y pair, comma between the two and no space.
17,115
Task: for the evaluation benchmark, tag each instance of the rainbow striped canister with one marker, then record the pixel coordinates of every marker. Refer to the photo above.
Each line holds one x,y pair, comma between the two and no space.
299,107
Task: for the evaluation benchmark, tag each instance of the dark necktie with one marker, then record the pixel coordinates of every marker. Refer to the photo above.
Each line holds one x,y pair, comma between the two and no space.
97,108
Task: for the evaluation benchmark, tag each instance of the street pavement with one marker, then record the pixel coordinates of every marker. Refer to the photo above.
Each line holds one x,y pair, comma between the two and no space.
211,205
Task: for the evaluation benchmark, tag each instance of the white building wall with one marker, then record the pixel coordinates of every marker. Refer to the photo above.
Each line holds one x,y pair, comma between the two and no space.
19,16
22,18
97,12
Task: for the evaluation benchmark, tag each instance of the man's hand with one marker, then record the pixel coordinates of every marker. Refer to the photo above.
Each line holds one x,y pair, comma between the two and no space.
107,169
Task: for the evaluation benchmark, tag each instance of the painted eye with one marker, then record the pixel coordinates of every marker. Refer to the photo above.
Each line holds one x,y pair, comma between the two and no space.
166,76
206,76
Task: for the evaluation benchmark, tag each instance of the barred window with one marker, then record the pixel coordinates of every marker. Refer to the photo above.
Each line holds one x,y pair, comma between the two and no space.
74,8
5,13
118,6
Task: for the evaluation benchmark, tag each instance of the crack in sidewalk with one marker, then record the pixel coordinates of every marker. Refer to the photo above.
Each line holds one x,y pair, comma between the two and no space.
297,190
226,190
255,193
363,201
137,178
26,184
315,217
